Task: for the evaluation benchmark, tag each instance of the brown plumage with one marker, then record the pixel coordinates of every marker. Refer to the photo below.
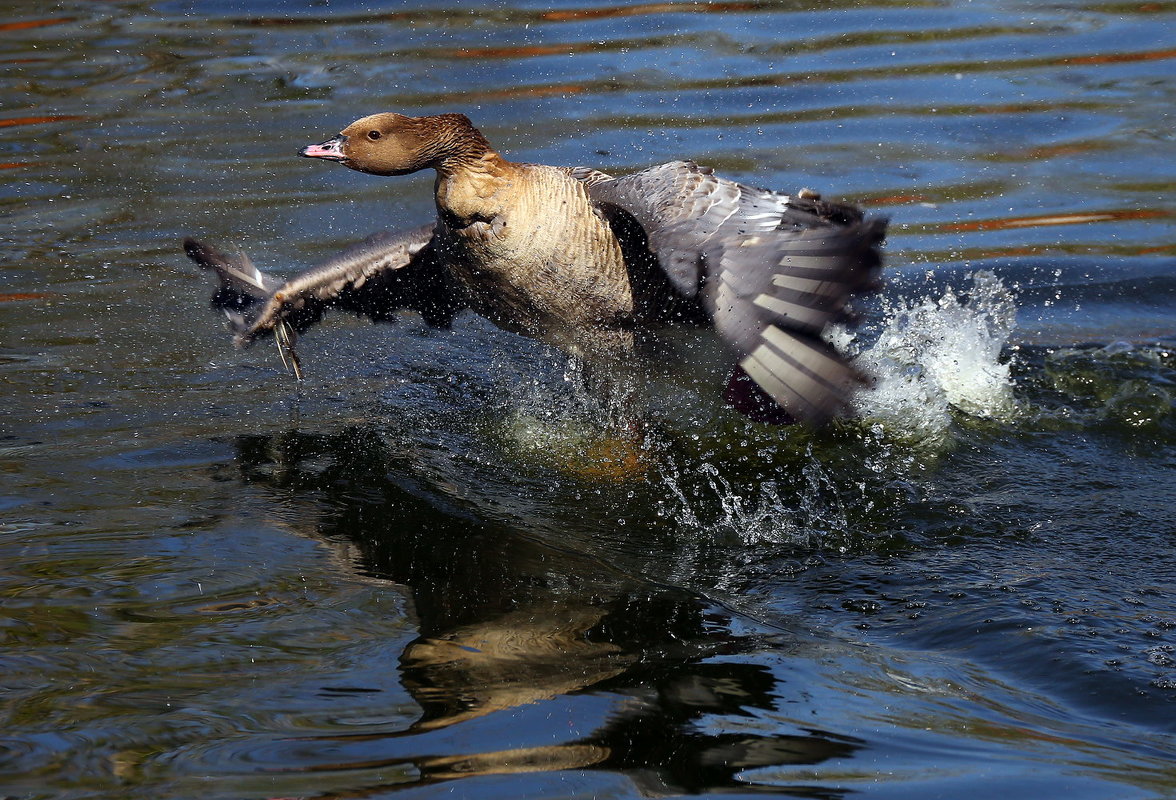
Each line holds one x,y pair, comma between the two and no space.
585,261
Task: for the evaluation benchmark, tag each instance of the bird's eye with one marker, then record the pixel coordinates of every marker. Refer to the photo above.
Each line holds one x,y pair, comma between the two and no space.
373,135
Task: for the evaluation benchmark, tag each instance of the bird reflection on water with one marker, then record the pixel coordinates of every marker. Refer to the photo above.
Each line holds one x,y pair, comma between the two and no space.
509,625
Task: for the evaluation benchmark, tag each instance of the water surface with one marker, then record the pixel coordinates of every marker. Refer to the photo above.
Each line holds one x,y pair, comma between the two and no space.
429,571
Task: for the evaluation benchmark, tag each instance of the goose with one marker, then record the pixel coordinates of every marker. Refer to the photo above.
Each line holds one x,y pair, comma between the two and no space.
587,262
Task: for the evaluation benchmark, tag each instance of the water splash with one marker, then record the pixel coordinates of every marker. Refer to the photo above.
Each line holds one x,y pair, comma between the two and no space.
936,355
576,422
934,359
808,514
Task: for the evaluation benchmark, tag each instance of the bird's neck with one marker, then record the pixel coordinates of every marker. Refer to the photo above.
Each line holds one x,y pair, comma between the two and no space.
474,188
453,143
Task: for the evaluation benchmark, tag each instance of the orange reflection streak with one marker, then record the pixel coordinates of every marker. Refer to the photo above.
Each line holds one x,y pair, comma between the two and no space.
534,91
894,199
1021,251
14,296
16,164
34,23
9,123
1120,58
646,8
522,51
562,15
1044,220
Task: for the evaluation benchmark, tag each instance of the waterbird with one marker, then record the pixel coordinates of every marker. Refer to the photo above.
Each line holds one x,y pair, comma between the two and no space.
587,262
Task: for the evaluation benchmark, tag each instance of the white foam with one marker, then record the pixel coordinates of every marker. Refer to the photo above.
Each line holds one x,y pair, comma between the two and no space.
936,355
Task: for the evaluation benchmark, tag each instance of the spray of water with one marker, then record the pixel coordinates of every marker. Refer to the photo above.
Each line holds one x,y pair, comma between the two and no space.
578,421
707,502
936,355
936,358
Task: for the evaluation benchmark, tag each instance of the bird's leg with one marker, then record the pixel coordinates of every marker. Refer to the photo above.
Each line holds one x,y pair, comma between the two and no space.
285,337
605,380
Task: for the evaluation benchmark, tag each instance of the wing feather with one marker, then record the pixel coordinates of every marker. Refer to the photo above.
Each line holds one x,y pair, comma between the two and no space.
376,277
771,270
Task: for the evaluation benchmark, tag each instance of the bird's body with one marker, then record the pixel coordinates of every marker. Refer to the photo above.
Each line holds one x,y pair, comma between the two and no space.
588,262
542,262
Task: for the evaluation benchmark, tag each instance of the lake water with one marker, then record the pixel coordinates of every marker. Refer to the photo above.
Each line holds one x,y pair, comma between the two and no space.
427,571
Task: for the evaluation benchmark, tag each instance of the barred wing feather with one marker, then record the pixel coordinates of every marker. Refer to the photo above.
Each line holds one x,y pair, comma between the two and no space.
770,270
375,277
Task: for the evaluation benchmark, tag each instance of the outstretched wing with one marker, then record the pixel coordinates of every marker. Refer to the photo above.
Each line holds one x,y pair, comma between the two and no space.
771,271
376,277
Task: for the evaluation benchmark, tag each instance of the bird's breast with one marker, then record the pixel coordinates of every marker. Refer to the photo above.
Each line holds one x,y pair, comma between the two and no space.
543,276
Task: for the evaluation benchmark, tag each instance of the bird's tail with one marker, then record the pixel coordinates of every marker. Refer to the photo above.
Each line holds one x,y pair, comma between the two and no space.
242,293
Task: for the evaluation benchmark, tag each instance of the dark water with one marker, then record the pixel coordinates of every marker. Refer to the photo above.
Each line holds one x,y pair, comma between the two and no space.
429,572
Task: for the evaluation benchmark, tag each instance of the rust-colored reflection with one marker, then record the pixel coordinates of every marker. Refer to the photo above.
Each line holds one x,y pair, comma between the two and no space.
1047,220
908,71
16,121
1120,58
519,51
894,199
1035,250
34,23
639,9
560,15
16,297
548,90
